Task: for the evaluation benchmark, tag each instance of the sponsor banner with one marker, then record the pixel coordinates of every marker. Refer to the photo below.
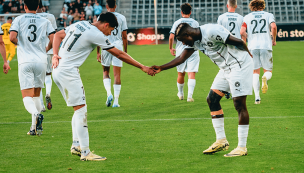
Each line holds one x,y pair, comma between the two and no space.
144,36
290,32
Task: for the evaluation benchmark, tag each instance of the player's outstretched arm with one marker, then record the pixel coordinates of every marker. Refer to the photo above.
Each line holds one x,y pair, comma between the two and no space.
175,62
58,37
274,33
128,59
238,43
6,67
13,37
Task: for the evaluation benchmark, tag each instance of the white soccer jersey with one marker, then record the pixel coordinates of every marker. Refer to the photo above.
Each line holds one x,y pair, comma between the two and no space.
52,19
179,45
33,32
258,30
80,40
213,45
122,26
232,22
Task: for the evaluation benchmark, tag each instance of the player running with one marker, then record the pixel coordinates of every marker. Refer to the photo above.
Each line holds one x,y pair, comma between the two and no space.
258,24
10,48
233,58
31,33
191,65
232,21
78,40
118,38
48,77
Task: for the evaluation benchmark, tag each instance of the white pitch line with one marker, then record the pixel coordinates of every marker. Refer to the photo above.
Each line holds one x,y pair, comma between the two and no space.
177,119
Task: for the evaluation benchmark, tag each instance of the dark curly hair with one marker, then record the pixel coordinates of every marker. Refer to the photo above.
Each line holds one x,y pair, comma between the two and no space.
256,5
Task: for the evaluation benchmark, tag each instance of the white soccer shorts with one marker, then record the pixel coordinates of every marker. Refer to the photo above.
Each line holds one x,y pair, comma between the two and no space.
70,85
31,75
49,68
190,65
237,80
107,58
262,58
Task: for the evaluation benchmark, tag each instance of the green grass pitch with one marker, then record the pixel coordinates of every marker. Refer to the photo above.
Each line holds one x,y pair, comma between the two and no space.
153,131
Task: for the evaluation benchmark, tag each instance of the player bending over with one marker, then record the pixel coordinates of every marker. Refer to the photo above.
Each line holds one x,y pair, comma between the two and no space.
258,24
78,41
233,58
191,65
31,33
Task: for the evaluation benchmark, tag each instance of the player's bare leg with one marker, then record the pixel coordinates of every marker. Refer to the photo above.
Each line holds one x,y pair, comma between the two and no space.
180,85
267,76
243,128
107,85
117,85
256,85
191,86
217,115
80,129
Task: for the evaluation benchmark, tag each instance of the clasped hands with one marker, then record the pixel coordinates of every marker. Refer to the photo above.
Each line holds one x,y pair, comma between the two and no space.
151,70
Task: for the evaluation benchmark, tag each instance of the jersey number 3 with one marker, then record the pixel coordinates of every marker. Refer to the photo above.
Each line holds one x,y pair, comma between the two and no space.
33,28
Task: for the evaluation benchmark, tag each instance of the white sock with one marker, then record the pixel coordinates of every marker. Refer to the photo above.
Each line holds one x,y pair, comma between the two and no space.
243,134
74,132
82,127
41,99
107,85
268,75
191,86
218,124
256,86
29,105
48,84
117,89
180,88
85,152
37,103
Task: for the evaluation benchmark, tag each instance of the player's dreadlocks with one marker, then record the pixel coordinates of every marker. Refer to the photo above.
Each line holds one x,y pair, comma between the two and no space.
256,5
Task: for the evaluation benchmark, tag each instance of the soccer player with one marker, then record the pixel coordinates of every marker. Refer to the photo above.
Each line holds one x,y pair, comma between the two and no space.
118,38
233,58
191,65
48,77
232,22
30,32
78,40
258,24
6,66
9,46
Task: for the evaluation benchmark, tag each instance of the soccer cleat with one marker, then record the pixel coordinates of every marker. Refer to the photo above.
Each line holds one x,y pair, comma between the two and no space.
239,151
76,150
32,132
116,106
180,96
39,129
109,100
43,109
92,157
257,101
190,100
264,85
48,102
218,145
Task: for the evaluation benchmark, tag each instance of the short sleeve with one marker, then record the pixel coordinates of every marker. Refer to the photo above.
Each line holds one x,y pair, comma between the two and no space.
53,22
50,29
195,24
173,28
67,29
219,20
15,25
271,18
124,24
103,42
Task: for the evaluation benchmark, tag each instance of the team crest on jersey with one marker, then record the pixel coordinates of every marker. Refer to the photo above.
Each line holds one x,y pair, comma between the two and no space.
108,42
219,38
209,43
237,84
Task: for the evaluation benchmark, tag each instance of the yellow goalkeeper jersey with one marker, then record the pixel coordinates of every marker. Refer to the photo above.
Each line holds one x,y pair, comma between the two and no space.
5,28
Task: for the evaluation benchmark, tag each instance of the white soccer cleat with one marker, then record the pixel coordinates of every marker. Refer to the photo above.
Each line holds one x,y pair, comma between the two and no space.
180,96
43,109
264,85
116,106
190,100
239,151
109,100
257,101
92,157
